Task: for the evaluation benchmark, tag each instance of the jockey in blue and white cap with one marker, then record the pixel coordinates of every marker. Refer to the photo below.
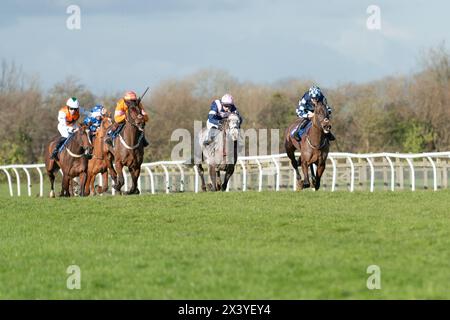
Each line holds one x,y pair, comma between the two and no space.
94,120
305,110
219,110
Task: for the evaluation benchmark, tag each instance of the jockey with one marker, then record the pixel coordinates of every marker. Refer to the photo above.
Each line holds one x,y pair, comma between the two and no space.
306,107
219,110
120,116
67,123
94,120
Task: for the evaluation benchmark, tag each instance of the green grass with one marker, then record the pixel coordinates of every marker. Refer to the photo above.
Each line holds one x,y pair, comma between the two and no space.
227,246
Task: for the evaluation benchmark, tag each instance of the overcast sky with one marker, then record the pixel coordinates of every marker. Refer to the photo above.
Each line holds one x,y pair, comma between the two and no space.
131,44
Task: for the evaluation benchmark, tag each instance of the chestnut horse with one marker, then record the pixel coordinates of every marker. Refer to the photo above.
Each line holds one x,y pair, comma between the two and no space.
128,150
216,154
99,162
314,147
73,161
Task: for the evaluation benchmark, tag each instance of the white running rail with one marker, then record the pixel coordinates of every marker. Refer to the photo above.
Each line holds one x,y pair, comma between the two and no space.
264,164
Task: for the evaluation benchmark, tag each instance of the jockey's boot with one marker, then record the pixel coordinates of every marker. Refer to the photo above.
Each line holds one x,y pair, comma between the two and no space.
54,155
111,134
145,142
331,136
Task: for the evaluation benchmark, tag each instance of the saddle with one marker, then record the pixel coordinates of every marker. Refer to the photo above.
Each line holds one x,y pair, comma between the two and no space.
301,129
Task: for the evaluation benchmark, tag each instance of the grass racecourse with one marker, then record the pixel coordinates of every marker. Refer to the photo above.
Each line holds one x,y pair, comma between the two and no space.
249,245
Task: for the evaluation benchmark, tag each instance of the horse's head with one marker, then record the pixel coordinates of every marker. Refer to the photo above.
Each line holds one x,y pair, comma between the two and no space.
234,123
81,137
134,115
322,118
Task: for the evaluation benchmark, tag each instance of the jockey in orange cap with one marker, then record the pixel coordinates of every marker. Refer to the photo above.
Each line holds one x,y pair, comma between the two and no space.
120,115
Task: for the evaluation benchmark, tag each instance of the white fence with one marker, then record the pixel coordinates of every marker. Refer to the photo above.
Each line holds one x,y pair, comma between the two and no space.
273,172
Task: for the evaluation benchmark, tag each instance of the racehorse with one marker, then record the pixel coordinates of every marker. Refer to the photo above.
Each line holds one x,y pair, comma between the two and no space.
73,161
314,147
216,153
128,150
99,161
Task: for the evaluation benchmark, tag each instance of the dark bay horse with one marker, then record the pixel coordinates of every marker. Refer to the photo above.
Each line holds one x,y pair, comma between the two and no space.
314,147
99,162
217,153
128,150
73,161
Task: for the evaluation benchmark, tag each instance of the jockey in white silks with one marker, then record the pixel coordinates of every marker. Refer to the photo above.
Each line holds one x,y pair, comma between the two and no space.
67,123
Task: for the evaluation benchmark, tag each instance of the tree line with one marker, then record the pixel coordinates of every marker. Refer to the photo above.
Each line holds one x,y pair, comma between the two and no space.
399,113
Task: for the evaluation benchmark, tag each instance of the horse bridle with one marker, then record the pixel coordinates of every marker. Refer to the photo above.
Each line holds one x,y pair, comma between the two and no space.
128,118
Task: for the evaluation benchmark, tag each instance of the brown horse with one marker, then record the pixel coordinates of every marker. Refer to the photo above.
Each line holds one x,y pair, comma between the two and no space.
73,161
216,154
99,162
314,147
128,150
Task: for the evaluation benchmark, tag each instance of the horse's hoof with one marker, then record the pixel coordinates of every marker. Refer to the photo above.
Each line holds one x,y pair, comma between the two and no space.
52,194
131,192
306,185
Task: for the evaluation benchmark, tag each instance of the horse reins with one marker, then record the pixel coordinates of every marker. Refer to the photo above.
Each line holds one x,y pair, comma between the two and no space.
75,155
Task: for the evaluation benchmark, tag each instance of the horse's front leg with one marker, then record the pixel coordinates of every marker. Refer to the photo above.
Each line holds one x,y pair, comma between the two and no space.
219,181
83,178
313,174
228,173
134,172
320,170
306,183
65,185
201,173
88,190
51,176
212,175
104,187
120,181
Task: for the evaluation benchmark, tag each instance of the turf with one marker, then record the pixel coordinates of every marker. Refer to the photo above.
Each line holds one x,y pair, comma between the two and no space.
233,245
